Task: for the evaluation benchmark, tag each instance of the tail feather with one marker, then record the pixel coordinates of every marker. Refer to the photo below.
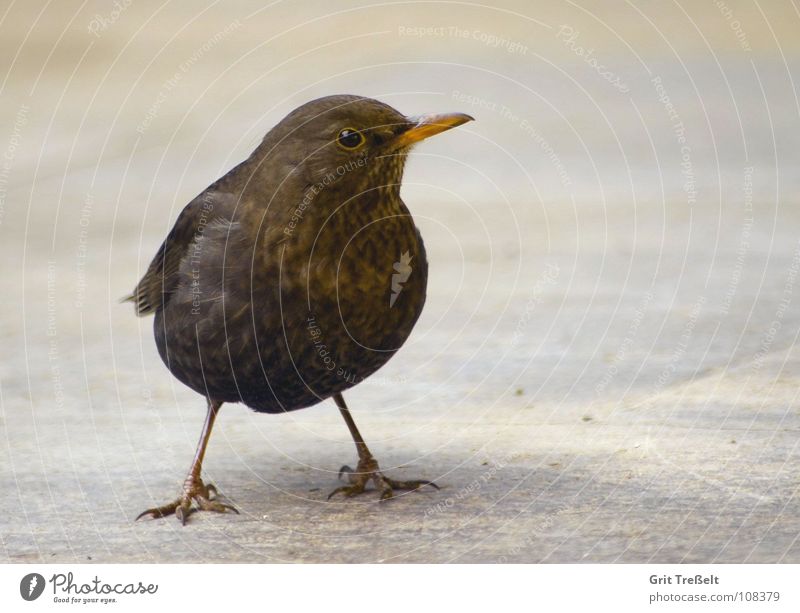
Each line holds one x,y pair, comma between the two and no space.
141,305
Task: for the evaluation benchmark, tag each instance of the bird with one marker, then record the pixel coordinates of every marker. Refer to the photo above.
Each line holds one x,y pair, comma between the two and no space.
294,277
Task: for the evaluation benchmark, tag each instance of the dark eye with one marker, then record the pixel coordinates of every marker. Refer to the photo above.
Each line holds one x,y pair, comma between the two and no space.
350,138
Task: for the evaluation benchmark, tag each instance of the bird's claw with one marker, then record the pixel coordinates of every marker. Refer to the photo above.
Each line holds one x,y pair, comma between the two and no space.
194,490
368,470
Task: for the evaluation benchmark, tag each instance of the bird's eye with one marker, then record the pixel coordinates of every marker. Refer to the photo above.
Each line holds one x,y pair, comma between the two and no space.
350,139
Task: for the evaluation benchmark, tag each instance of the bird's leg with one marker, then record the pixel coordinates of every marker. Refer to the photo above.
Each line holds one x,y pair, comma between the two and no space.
368,469
193,487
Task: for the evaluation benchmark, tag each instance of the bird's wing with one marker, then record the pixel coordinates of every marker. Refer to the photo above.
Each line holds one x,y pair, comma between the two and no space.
161,278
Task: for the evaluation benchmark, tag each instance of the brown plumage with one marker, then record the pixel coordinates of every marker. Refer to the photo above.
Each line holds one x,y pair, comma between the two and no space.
296,275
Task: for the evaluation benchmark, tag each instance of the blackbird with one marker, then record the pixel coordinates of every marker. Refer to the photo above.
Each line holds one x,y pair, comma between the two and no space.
295,276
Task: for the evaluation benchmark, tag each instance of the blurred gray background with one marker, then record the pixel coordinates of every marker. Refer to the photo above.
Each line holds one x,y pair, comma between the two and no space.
606,367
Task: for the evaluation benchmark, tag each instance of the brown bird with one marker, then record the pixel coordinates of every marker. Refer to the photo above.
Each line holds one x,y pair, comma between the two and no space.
295,276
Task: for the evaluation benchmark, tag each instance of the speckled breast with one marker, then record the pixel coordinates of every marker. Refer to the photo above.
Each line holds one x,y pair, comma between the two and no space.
362,292
285,324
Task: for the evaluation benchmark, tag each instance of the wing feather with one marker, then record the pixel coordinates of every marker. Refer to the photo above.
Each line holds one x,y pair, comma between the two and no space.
162,276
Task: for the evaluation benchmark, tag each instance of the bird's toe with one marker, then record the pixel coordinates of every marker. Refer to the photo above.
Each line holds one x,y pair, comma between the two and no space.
368,470
410,485
196,496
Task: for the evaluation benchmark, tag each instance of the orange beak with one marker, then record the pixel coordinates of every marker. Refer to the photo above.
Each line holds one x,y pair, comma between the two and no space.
424,126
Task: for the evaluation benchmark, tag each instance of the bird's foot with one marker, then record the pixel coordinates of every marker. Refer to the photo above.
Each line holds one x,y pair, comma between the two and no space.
368,470
194,490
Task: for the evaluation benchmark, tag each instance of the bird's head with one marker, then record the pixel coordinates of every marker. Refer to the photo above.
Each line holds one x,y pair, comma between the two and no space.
351,144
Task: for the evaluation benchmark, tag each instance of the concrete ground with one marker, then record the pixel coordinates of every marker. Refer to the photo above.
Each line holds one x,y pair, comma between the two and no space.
606,369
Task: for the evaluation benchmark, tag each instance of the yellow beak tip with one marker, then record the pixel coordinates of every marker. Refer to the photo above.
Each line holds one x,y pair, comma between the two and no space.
425,126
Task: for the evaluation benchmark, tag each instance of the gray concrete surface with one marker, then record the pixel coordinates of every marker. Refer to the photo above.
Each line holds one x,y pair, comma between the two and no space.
606,370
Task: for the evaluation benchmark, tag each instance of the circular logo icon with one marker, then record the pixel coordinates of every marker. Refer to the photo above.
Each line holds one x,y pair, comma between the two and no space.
31,586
